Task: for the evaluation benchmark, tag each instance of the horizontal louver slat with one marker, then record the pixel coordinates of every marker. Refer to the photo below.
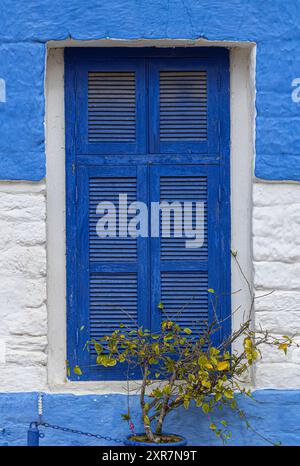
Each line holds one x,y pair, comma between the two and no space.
191,190
110,249
185,298
183,106
112,301
111,107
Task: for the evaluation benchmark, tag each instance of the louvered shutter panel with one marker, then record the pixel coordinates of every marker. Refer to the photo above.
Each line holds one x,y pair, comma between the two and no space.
151,128
181,276
183,110
112,275
111,107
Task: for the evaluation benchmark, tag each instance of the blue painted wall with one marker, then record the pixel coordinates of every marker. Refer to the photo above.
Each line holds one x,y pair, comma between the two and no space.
275,414
25,28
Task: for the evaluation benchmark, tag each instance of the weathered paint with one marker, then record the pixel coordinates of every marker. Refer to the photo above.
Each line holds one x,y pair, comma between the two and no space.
274,414
23,36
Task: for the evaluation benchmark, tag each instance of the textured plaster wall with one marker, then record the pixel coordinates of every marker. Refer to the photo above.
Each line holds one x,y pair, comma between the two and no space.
24,30
274,27
276,255
23,313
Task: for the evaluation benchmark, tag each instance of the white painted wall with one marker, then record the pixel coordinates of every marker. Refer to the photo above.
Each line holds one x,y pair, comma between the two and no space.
269,236
276,252
23,312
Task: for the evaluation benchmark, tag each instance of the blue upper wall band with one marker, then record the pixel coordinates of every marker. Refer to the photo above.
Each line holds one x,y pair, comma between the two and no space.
25,28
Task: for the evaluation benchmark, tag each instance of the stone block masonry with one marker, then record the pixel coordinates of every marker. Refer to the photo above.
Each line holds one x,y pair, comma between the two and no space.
23,312
23,298
276,255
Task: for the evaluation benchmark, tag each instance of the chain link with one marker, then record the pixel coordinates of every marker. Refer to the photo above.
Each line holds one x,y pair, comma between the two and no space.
79,432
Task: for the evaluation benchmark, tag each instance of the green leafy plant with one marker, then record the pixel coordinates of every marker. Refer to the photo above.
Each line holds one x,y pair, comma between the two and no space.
181,365
178,367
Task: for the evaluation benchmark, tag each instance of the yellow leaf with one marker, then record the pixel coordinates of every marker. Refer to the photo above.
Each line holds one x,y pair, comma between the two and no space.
222,365
111,362
283,346
206,383
187,330
99,359
212,426
211,290
209,366
247,343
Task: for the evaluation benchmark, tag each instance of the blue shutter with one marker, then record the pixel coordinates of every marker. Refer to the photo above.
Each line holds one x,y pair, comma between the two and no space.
184,106
111,272
156,129
182,276
111,103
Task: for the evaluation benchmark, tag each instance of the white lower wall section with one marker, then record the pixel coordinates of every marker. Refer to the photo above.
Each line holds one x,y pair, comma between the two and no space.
276,253
23,312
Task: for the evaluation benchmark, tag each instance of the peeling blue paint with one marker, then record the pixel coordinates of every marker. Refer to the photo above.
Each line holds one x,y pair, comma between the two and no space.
275,414
275,28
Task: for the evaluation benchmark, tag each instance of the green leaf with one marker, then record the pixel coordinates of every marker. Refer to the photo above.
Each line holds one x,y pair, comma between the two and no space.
186,404
98,348
153,361
218,396
205,408
211,290
160,305
146,420
188,331
212,426
167,389
233,404
77,370
228,394
82,328
125,417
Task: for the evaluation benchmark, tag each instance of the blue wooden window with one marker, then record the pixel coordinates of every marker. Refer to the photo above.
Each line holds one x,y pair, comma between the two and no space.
155,126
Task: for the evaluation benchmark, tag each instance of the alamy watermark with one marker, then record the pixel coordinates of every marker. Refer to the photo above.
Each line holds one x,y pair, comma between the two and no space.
176,219
2,90
296,91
